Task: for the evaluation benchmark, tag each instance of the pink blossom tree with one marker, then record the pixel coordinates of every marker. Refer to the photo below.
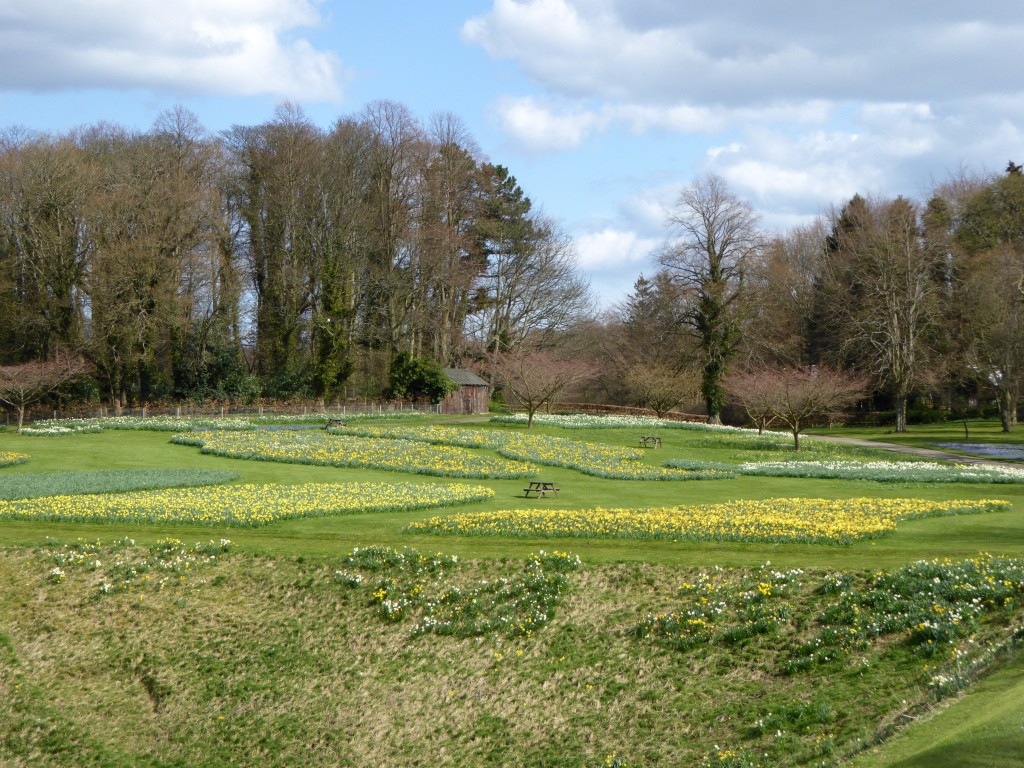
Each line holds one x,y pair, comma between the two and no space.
794,396
27,383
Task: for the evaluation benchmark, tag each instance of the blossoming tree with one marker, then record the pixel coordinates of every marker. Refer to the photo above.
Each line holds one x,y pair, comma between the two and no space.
794,396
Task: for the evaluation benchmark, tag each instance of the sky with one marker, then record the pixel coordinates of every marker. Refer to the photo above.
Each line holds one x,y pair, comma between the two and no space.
603,110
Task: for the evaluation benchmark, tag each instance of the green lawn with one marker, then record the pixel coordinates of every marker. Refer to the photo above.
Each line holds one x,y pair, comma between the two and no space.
264,659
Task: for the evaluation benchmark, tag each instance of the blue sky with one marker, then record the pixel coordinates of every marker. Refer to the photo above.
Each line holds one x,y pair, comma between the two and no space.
602,109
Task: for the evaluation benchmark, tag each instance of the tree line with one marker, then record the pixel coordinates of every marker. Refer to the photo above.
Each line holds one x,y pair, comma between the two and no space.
919,305
273,260
284,260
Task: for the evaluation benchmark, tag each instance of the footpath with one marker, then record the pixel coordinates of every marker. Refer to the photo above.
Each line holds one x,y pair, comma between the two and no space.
928,453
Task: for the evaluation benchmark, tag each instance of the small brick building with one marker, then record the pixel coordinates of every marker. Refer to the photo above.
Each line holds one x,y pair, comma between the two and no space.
472,396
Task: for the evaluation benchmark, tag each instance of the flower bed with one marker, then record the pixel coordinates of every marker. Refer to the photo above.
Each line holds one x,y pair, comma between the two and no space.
240,505
435,435
596,459
725,607
395,455
880,471
814,521
10,458
407,584
594,421
930,605
125,567
188,424
608,461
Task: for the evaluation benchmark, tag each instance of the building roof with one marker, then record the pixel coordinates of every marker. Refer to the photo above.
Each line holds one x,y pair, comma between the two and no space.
465,378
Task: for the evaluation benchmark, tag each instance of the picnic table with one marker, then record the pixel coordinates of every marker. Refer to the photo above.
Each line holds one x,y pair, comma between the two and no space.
541,488
650,441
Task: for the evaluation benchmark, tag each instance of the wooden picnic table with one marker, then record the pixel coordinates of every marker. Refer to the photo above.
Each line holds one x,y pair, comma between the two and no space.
541,488
650,441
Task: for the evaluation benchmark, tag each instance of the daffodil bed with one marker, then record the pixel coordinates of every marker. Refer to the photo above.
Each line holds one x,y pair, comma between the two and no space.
608,461
241,505
349,451
595,459
817,521
9,458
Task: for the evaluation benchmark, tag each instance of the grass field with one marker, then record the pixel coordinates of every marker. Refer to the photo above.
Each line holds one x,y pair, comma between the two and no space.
290,647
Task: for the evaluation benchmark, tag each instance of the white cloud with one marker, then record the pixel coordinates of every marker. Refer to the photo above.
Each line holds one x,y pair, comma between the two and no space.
237,47
537,128
613,249
613,258
545,126
647,210
749,51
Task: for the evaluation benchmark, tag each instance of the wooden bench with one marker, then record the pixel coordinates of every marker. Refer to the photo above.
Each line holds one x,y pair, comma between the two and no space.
650,441
334,423
541,488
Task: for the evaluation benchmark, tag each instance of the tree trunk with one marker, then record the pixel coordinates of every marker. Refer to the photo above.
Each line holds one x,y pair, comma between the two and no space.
1007,409
901,414
796,439
21,417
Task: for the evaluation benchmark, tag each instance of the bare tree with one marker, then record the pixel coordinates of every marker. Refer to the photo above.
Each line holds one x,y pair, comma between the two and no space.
716,234
984,221
886,293
27,383
535,377
796,396
756,394
661,387
44,250
782,285
451,258
995,294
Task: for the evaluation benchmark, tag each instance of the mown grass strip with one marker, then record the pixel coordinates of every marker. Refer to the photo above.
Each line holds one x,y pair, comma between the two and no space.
35,484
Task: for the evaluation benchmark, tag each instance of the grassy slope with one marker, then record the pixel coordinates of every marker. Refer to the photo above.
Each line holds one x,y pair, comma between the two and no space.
995,722
983,728
986,726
